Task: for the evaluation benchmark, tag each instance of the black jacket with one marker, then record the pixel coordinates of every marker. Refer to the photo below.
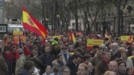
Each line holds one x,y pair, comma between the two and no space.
47,59
24,72
116,55
73,67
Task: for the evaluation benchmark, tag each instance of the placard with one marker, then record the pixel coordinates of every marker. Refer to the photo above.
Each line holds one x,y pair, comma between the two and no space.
127,39
22,38
58,36
92,42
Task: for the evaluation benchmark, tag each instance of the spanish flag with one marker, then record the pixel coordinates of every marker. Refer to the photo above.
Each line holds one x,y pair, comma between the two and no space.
31,24
72,37
107,36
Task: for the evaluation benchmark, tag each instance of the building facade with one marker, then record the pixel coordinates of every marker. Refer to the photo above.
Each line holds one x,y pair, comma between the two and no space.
107,11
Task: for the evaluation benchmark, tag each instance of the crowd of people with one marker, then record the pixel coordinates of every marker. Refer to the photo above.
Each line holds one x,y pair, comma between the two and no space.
64,57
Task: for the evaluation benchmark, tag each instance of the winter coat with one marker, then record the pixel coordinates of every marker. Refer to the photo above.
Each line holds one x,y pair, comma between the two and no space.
3,66
19,63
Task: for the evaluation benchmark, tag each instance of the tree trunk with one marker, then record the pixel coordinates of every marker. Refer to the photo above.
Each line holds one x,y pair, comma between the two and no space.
76,15
114,23
119,18
76,22
122,26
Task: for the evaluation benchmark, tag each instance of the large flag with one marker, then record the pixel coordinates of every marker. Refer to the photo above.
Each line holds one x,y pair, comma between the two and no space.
72,37
31,24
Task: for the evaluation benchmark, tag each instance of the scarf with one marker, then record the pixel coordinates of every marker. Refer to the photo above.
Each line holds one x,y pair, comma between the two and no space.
106,61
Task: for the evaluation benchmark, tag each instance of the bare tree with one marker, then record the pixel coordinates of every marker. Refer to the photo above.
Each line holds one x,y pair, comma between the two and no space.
12,10
73,7
86,7
120,5
64,13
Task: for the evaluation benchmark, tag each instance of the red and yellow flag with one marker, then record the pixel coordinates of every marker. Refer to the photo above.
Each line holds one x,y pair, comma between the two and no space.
72,37
130,37
107,36
31,24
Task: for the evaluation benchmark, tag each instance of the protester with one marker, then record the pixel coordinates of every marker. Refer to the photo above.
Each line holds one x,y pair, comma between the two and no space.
82,69
98,57
55,71
122,68
48,71
3,65
87,58
94,50
66,71
20,61
59,63
55,49
65,54
9,58
129,63
28,68
113,66
35,58
74,64
102,66
47,58
115,52
129,71
90,69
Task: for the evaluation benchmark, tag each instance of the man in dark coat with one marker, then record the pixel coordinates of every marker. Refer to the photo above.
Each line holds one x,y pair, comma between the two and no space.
115,52
3,65
102,66
35,58
28,68
98,57
47,58
74,64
